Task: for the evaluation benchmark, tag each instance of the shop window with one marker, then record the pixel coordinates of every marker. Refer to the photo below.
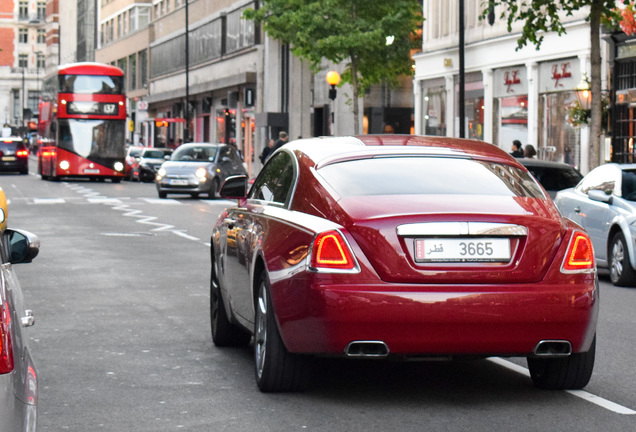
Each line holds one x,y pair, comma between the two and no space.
434,111
558,139
512,121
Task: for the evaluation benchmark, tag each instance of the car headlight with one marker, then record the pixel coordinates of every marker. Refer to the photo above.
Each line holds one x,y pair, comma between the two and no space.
118,166
201,173
161,172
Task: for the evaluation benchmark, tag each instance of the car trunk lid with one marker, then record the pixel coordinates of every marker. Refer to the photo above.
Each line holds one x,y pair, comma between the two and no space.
456,238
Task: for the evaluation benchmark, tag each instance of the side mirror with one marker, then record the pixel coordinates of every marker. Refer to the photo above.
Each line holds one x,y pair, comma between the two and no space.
22,246
234,187
599,195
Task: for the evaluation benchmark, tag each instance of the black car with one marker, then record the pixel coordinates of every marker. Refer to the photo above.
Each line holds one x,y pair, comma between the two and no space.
553,176
14,155
147,164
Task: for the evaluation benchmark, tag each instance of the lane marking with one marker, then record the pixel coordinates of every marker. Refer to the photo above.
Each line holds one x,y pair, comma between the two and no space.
582,394
48,201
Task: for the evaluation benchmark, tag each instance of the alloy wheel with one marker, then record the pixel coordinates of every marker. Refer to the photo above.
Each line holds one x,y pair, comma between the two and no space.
618,255
260,334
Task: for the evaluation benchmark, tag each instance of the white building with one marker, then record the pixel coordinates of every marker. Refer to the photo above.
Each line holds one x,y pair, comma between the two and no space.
510,94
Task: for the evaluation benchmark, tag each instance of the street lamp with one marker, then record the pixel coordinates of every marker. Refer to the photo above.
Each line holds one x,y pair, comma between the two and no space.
333,79
582,91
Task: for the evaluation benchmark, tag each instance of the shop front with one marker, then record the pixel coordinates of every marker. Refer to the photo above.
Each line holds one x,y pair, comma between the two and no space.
558,140
510,106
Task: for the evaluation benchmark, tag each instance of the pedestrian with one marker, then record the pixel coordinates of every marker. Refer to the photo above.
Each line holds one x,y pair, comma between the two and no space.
267,151
517,150
281,141
529,151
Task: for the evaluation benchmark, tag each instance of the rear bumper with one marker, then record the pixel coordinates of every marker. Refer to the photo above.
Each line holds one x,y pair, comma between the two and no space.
436,320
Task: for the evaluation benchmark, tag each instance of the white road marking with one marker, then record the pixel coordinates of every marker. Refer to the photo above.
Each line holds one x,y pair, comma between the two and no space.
48,201
597,400
161,201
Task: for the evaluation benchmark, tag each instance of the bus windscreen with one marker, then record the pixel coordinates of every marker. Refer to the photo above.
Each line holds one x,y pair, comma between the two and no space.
91,84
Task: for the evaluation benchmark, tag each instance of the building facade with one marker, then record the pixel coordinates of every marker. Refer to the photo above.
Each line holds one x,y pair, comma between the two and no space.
23,48
510,94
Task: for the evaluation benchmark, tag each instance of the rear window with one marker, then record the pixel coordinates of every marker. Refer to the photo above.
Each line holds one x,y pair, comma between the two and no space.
426,175
555,179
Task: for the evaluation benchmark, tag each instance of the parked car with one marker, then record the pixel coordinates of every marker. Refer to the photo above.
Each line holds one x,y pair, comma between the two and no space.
18,376
553,176
131,153
14,155
604,203
439,248
147,164
198,168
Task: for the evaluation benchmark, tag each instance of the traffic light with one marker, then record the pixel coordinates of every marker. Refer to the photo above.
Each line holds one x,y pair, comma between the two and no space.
161,123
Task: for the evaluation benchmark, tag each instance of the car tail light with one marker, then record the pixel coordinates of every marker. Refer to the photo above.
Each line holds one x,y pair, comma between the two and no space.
22,153
6,351
580,255
330,251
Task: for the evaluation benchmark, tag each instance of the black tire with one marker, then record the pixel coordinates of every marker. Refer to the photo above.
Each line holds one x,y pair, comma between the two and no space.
116,179
567,373
163,195
195,195
276,369
224,333
214,189
621,271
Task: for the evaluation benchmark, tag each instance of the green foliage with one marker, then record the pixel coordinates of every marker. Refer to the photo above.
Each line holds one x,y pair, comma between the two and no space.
351,31
541,16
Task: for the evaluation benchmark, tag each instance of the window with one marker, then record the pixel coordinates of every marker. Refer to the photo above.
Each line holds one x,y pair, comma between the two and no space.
132,72
41,10
240,32
34,101
23,10
41,36
40,62
23,60
23,35
143,68
276,180
447,176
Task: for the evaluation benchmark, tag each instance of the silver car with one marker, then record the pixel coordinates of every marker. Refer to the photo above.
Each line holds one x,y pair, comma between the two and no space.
604,203
198,168
18,376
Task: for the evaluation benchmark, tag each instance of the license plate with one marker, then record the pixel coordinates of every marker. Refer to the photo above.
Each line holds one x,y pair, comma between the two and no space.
178,182
91,171
462,250
8,158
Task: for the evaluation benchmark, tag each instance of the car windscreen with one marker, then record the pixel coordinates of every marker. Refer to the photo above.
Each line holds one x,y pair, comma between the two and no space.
428,175
194,153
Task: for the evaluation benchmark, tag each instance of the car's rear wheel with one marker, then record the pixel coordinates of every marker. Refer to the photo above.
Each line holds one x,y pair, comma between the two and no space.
224,333
621,271
567,373
277,370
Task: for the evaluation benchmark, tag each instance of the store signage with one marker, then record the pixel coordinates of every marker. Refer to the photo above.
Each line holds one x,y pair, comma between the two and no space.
560,75
511,82
560,72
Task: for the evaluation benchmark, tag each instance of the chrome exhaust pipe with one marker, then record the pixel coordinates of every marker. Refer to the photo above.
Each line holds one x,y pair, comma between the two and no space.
367,349
553,348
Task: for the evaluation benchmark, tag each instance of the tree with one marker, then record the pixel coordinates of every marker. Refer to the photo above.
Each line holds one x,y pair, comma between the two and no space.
540,16
351,31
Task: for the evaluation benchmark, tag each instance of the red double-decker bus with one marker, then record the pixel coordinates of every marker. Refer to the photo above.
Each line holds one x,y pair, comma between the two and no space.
83,124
